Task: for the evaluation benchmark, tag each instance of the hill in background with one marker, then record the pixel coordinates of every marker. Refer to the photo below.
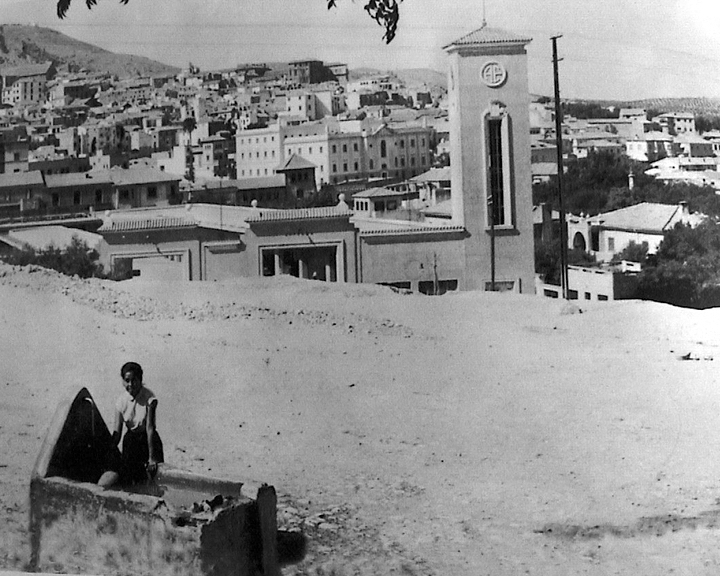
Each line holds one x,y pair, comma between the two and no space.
698,106
24,44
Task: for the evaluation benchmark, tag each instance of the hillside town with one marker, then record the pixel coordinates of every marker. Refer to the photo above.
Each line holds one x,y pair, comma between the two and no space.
205,175
371,333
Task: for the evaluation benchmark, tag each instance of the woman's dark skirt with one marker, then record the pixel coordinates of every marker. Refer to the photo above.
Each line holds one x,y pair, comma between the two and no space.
135,455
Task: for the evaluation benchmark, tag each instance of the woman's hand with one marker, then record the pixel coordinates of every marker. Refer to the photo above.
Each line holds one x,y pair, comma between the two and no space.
151,467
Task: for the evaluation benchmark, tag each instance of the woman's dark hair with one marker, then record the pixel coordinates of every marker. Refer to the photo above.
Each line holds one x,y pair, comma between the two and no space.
133,367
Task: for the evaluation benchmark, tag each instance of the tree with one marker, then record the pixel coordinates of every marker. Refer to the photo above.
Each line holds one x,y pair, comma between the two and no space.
685,271
189,124
633,252
385,12
76,259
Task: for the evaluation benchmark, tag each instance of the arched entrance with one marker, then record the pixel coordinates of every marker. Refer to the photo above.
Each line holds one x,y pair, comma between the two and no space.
579,242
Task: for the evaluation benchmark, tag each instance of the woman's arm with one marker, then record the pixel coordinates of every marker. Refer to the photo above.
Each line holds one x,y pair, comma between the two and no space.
117,432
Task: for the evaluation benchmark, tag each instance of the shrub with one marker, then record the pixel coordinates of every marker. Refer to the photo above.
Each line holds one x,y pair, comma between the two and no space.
78,259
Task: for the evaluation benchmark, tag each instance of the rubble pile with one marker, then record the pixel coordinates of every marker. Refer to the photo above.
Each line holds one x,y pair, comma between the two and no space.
341,544
107,296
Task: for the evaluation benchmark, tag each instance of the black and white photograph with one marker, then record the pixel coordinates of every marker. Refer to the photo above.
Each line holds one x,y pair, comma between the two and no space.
359,287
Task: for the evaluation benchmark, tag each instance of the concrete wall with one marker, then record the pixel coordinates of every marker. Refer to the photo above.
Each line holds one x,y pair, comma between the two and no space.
160,528
225,260
622,239
470,101
336,234
399,260
181,251
593,284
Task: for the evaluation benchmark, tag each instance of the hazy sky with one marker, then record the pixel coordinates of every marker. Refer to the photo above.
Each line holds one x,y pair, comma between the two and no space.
619,49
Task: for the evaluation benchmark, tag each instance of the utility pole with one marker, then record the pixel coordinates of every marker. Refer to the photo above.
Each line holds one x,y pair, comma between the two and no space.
491,211
561,205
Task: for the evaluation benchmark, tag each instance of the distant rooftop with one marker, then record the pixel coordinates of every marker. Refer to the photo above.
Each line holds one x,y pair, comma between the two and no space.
380,193
486,35
647,216
295,162
300,214
433,175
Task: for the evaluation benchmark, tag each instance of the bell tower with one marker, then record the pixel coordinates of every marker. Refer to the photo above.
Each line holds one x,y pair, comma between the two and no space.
491,180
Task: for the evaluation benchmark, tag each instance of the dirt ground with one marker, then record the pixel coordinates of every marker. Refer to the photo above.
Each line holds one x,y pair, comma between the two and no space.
472,433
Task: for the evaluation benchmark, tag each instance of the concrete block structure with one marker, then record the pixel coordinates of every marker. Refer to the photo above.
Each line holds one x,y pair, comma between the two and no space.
490,170
181,524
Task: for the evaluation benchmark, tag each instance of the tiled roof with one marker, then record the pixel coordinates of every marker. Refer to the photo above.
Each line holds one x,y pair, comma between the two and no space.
139,175
299,214
379,193
487,35
410,230
296,162
77,179
26,70
656,136
433,175
12,179
132,225
261,183
644,216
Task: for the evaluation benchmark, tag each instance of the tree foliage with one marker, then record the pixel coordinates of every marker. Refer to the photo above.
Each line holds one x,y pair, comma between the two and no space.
586,110
685,271
547,260
706,123
76,260
385,12
633,252
599,183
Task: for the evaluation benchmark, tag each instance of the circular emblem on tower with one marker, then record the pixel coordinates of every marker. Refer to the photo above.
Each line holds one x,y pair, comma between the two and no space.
493,74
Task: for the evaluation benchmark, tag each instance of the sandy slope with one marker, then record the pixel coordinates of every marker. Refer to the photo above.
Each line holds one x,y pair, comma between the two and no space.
468,434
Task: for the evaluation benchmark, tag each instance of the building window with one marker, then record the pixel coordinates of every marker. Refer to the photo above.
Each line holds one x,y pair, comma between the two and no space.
355,146
437,288
345,167
334,148
402,143
344,147
356,166
495,171
611,244
334,167
152,192
383,149
372,164
498,163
